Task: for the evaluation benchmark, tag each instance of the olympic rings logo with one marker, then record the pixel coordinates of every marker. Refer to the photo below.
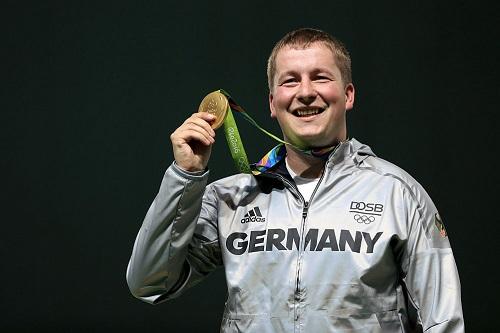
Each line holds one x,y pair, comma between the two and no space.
243,164
364,219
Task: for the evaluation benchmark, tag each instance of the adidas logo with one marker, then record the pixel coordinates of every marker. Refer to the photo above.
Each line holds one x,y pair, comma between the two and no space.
253,215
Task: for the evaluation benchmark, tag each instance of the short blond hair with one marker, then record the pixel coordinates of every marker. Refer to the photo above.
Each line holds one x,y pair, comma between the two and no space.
302,39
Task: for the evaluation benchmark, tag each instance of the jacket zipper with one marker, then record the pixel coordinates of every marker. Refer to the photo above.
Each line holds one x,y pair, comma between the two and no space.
304,215
305,211
302,239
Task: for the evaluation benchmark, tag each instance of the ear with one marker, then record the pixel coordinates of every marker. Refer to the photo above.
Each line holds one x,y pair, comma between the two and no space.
349,96
271,106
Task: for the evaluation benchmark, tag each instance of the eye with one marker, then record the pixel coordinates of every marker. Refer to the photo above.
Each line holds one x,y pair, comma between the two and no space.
322,79
289,82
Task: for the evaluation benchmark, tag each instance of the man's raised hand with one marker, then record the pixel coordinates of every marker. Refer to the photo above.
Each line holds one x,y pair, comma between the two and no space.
192,142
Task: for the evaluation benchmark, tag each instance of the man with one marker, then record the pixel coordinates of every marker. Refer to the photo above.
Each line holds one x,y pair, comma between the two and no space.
326,238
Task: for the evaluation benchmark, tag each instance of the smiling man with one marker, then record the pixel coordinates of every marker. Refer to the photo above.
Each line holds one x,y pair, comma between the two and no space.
326,237
309,96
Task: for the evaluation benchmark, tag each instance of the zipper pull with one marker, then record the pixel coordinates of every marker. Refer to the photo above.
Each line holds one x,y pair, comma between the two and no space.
305,209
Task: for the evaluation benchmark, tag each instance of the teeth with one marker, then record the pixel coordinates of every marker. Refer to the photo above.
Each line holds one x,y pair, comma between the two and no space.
308,112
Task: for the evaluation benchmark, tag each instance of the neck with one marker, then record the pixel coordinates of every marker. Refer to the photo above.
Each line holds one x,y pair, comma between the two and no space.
304,165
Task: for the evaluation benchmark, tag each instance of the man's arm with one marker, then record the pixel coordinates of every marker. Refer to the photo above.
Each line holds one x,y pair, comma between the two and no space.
177,244
429,270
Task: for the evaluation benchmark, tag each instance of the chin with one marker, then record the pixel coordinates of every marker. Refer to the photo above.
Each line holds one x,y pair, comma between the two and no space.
308,141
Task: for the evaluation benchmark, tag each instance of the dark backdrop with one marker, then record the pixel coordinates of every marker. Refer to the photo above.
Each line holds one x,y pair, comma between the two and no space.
92,91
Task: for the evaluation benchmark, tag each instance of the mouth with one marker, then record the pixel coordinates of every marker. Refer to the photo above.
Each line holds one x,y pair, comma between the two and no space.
307,112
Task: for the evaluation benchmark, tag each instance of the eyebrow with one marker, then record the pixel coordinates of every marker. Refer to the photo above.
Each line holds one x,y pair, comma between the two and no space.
314,72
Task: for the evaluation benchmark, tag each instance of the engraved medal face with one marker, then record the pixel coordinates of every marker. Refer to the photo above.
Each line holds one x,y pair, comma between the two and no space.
216,104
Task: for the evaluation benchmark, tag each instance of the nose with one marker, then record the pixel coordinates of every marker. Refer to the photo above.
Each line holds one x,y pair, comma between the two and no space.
306,93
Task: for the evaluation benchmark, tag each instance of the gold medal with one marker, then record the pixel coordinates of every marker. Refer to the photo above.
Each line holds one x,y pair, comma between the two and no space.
215,103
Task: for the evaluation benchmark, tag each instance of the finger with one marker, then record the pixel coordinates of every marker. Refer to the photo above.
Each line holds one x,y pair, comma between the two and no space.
204,120
190,126
195,135
200,122
188,136
205,115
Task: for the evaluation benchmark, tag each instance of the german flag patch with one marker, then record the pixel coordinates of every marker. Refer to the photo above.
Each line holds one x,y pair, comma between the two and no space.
439,224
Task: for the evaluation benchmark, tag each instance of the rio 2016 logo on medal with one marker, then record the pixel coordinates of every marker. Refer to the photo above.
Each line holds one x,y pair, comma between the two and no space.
215,103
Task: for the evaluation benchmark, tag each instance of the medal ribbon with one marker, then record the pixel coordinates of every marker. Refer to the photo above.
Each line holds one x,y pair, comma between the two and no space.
236,145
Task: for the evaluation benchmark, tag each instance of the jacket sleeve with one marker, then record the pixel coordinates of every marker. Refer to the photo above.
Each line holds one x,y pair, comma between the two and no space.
428,267
177,244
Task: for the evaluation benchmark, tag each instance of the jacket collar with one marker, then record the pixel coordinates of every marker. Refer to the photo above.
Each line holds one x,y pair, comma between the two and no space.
275,158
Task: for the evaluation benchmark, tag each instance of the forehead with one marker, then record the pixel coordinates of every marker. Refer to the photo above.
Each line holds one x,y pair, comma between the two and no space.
314,56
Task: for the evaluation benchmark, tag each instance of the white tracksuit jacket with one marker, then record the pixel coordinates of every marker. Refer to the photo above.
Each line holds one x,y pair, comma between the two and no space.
367,252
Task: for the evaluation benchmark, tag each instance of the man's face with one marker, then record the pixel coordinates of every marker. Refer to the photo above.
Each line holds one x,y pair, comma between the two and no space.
308,98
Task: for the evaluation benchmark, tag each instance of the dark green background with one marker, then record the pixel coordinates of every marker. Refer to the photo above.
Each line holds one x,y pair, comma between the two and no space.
92,91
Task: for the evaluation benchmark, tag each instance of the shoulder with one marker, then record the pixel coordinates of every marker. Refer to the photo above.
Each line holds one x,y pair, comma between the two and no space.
235,187
237,181
379,167
417,201
383,168
414,197
366,163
